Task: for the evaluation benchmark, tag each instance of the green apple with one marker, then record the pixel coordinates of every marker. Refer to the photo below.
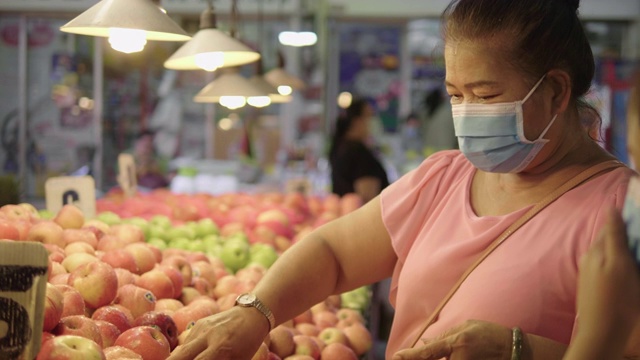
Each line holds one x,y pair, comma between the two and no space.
143,224
180,232
179,243
196,245
109,218
214,250
157,232
159,243
46,214
235,254
205,227
264,255
237,237
161,221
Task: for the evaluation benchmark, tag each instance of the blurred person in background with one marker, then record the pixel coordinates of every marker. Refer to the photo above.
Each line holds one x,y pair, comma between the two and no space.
150,167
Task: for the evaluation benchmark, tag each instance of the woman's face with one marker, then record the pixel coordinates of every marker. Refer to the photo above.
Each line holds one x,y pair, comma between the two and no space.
475,73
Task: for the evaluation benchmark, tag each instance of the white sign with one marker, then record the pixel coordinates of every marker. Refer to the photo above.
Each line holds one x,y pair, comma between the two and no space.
76,190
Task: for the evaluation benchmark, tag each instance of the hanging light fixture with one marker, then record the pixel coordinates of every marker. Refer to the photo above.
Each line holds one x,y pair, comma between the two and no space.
232,91
127,23
210,48
282,80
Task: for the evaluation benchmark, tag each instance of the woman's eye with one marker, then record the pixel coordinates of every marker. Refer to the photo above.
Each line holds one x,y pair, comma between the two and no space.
487,97
455,98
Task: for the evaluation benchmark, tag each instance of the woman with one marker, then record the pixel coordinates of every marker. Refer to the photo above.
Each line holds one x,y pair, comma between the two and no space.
354,167
516,71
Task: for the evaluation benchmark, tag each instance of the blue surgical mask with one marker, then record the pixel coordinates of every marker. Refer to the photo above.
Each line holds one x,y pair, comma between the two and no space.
491,136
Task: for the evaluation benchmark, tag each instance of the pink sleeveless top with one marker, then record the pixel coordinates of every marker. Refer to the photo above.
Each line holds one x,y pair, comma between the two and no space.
529,281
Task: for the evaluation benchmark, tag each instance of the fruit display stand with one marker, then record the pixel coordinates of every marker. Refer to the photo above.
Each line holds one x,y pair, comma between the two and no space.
130,282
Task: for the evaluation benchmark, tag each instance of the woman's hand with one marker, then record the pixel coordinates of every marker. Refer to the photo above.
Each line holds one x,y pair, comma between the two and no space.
608,288
235,334
471,340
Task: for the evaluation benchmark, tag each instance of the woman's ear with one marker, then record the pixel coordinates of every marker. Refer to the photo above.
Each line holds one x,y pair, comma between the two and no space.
559,83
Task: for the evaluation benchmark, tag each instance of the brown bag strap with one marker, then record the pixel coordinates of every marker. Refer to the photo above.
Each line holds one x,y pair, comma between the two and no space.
572,183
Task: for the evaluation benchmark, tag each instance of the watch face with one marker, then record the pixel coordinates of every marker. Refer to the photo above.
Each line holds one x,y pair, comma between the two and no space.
246,299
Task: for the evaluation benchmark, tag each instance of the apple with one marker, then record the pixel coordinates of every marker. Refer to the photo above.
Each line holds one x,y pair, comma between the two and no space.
70,347
263,254
114,315
205,227
182,338
186,317
14,212
158,282
252,272
31,210
46,336
202,286
235,254
325,319
79,325
332,335
146,341
56,269
23,227
46,232
60,279
79,247
121,259
110,242
204,270
272,356
179,262
262,353
281,341
275,215
359,338
127,232
168,306
226,285
108,332
56,253
305,345
349,316
76,260
136,299
124,277
8,230
69,217
162,322
338,351
189,294
72,302
226,302
176,279
144,257
53,307
305,317
97,283
95,223
80,235
308,329
109,218
120,353
158,243
282,243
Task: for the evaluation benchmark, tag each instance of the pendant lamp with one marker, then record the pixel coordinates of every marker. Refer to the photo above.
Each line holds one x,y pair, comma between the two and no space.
283,81
232,91
210,48
127,23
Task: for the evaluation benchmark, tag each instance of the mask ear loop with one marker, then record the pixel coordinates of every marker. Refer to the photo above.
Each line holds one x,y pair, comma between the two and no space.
534,88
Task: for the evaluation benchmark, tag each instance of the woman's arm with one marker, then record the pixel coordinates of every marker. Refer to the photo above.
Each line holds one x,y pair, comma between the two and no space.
367,187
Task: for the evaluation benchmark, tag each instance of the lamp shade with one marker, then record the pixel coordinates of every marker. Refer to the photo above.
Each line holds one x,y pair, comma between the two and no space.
224,51
228,84
143,15
263,85
279,77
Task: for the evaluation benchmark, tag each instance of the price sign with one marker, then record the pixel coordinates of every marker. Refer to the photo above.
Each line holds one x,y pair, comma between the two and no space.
23,287
127,174
76,190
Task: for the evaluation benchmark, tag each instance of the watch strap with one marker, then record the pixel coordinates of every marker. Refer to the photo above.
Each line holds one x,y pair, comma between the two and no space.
264,309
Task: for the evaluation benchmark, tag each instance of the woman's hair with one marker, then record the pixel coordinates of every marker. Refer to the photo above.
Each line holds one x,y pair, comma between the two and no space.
537,36
344,123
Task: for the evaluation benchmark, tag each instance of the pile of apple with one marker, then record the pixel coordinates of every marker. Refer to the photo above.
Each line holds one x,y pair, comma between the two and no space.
112,295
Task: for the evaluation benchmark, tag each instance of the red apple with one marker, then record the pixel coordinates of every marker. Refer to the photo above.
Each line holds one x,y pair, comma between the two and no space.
97,283
226,285
69,217
53,307
188,315
348,316
273,356
110,242
189,294
359,338
156,252
275,215
143,256
129,233
8,230
79,325
202,286
168,306
114,315
262,353
305,317
325,319
120,353
70,347
176,278
56,269
124,277
79,235
121,259
46,232
308,329
60,279
56,253
180,263
76,260
97,224
72,303
136,299
14,212
281,341
338,351
79,247
108,332
305,345
204,270
146,341
162,322
193,257
158,282
332,335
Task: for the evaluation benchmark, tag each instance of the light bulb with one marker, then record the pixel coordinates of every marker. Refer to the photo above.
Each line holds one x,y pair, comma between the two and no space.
298,38
127,40
233,102
209,61
285,90
225,124
344,99
259,101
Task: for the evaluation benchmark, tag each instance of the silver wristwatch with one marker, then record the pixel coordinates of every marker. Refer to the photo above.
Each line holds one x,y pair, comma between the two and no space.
251,300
